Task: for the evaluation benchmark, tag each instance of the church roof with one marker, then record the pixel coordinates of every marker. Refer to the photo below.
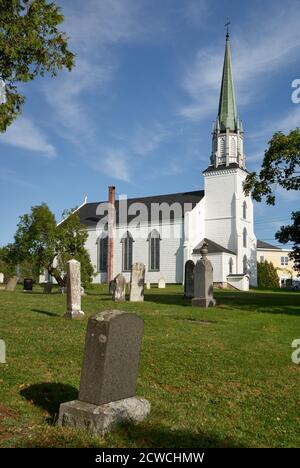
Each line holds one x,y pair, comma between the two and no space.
88,216
227,114
212,247
230,166
264,245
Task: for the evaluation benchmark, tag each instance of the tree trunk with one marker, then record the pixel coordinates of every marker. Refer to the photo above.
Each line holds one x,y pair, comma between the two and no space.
55,273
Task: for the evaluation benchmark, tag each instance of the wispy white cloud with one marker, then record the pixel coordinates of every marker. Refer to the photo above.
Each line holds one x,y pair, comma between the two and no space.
24,134
258,52
11,177
112,162
147,139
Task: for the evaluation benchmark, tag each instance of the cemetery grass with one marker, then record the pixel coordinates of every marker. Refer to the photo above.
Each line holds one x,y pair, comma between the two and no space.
221,377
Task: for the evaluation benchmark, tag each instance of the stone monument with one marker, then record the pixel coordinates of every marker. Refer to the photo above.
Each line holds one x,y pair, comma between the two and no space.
161,283
203,281
74,291
119,290
1,278
137,282
189,279
107,395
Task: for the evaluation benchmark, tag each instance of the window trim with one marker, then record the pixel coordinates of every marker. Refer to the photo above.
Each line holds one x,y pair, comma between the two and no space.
127,237
153,235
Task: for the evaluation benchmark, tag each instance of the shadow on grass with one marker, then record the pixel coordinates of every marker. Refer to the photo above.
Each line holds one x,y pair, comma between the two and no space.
49,395
163,437
45,312
265,302
168,298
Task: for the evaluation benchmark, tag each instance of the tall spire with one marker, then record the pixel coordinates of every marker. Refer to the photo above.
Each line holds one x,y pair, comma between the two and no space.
227,114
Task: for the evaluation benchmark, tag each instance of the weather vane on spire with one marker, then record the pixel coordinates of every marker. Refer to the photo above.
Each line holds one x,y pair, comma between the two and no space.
227,24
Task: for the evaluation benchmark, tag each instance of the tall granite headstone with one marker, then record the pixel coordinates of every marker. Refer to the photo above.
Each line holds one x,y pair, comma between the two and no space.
203,281
1,278
107,395
74,290
137,282
119,290
189,279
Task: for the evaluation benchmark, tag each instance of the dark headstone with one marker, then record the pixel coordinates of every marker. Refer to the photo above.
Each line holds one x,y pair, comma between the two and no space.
111,357
189,279
48,288
28,284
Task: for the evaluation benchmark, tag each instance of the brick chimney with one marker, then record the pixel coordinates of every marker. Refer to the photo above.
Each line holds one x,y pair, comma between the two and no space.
111,217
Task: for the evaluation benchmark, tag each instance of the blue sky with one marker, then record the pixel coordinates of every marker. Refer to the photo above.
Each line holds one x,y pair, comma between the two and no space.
136,111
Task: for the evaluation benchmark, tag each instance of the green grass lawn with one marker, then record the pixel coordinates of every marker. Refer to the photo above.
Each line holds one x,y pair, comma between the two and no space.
221,377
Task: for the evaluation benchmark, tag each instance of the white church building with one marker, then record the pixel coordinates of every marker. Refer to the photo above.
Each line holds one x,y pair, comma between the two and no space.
164,231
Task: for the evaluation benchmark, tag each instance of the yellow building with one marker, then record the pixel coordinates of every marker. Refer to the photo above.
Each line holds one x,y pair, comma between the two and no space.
281,261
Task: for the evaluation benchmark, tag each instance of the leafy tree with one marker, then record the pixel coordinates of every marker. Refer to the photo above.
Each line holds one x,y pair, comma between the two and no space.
49,246
30,45
267,277
292,234
280,167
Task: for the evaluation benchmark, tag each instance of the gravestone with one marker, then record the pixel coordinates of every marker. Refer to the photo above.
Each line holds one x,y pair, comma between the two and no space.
148,285
137,282
2,352
120,288
161,283
107,394
1,278
112,287
48,288
73,291
27,284
189,279
82,291
203,281
11,285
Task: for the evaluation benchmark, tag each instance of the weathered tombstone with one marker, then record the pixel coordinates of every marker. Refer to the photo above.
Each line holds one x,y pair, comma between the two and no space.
11,285
107,394
112,287
189,279
27,284
137,282
161,283
48,288
148,285
73,291
1,278
82,291
62,290
2,352
203,281
120,288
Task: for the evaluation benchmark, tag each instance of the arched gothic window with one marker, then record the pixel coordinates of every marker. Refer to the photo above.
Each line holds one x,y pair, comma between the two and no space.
245,237
103,251
127,244
245,210
154,250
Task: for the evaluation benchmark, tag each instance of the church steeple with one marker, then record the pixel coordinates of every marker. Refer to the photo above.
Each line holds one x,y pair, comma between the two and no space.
227,148
227,105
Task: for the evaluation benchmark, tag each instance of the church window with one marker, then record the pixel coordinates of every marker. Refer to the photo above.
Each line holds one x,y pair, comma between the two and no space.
245,237
245,264
103,251
245,210
222,157
230,266
127,244
232,158
154,251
